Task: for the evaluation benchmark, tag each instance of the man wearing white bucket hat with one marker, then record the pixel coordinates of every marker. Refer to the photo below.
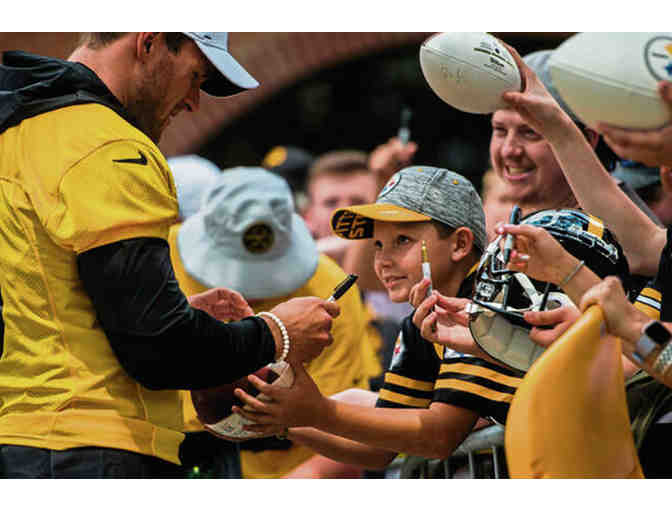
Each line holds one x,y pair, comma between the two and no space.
94,346
247,237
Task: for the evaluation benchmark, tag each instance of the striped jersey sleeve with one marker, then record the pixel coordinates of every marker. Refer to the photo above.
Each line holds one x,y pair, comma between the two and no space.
477,385
649,300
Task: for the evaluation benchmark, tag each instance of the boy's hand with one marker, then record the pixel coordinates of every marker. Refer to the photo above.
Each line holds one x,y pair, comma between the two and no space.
300,405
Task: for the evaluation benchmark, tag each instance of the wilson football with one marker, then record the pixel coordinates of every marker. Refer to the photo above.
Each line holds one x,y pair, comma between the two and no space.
469,70
213,405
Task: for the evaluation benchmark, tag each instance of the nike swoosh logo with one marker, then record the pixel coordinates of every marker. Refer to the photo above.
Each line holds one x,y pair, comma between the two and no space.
142,160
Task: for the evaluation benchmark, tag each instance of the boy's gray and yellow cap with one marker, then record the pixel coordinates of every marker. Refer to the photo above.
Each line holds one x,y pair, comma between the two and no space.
417,193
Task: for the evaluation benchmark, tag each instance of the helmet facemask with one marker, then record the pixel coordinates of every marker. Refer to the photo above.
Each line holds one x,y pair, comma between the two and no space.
501,296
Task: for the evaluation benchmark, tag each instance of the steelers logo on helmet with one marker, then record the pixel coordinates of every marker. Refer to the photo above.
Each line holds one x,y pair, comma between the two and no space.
501,296
258,238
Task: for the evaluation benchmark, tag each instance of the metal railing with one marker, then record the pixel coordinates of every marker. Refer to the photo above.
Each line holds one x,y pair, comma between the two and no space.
482,451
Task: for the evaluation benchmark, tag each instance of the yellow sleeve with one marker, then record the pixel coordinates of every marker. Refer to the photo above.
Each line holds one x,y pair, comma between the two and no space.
649,302
121,190
342,365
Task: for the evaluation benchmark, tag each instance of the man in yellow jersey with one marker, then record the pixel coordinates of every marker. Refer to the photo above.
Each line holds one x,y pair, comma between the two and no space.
269,256
98,336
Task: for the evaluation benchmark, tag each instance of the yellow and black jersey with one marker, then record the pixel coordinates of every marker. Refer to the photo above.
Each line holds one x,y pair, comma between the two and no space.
413,371
649,299
411,377
62,385
422,372
97,335
476,384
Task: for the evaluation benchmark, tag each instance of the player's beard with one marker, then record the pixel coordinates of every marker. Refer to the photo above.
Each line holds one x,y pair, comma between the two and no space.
149,99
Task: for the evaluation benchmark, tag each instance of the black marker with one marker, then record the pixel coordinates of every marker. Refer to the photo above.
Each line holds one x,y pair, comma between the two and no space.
343,287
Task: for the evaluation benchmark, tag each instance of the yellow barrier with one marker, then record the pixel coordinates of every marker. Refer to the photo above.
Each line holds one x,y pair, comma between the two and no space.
569,418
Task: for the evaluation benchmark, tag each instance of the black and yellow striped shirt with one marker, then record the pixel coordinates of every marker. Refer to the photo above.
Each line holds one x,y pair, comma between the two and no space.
422,372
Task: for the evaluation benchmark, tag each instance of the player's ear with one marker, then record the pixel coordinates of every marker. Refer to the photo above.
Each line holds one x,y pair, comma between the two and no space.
463,242
145,42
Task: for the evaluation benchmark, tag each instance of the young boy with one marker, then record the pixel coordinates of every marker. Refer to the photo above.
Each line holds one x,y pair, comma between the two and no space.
432,396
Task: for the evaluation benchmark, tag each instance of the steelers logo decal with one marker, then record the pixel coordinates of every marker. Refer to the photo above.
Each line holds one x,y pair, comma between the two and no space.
391,184
658,57
398,353
258,238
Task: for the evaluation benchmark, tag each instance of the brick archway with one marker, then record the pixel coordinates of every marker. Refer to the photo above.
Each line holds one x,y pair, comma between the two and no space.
276,59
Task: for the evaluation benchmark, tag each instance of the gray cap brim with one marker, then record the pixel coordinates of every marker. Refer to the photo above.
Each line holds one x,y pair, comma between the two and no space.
232,77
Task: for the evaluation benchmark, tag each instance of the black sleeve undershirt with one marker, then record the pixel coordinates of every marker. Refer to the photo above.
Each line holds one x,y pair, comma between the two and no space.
158,338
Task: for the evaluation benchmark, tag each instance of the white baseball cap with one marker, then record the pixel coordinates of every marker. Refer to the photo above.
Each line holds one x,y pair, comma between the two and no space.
233,78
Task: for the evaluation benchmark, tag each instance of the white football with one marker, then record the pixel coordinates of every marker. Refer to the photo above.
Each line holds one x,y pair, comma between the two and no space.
611,77
469,70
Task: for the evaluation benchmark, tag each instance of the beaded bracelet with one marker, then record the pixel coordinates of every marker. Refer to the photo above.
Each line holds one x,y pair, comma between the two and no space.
283,330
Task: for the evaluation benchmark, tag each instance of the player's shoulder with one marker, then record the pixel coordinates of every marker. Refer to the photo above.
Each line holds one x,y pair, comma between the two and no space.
94,127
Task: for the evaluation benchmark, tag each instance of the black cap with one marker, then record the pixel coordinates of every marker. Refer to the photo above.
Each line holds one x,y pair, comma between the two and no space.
290,162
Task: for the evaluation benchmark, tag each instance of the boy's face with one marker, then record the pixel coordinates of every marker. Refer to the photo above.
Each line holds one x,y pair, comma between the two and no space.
398,256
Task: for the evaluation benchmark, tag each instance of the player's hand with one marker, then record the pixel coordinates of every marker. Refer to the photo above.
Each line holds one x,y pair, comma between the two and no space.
300,405
389,158
308,322
652,147
223,304
559,319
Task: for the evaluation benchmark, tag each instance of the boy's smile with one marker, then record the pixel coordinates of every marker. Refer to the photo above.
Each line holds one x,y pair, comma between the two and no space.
398,259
